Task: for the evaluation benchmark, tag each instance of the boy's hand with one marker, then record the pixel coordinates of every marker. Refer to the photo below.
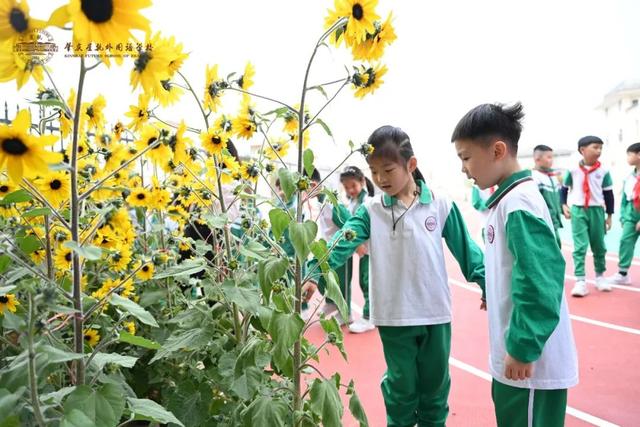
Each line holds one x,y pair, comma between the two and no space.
638,227
566,211
308,289
361,250
483,305
516,370
607,222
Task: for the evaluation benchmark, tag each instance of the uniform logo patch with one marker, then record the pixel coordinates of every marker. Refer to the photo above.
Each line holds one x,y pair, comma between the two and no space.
430,223
491,233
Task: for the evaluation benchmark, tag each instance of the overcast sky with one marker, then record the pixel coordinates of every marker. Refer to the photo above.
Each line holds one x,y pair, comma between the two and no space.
558,57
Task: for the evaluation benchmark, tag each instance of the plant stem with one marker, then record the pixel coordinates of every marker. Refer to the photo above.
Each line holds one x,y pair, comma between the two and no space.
33,379
293,110
325,105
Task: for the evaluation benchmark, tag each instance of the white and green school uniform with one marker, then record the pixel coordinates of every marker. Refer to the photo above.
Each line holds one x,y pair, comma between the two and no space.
587,217
479,202
528,315
330,219
363,270
410,297
630,216
548,187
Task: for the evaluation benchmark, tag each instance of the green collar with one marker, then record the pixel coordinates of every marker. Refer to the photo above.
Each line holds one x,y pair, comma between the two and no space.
362,196
425,196
508,185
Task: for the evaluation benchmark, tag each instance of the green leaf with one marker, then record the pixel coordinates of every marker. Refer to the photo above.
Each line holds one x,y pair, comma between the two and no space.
56,397
187,268
284,329
279,221
332,328
53,102
324,126
55,355
302,235
255,250
102,407
333,293
287,182
219,220
145,409
326,403
6,289
101,359
134,309
126,337
76,418
247,298
5,261
308,161
266,411
37,212
182,340
29,243
279,112
356,407
321,90
268,272
19,196
331,196
89,252
247,384
8,401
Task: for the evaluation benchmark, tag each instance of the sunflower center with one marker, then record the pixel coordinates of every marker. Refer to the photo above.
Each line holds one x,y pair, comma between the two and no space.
87,337
4,299
55,184
98,11
18,20
14,146
142,113
145,268
151,141
140,196
216,140
67,257
4,188
90,112
141,61
357,11
166,85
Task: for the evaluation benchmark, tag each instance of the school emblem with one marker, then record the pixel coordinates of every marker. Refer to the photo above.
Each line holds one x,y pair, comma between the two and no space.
430,223
491,233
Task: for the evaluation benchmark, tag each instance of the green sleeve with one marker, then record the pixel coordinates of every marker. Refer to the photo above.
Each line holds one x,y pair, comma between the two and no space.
607,181
537,284
476,200
360,223
339,215
623,202
463,248
568,180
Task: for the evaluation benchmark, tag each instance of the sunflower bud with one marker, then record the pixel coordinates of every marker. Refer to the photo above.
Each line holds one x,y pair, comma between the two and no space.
349,235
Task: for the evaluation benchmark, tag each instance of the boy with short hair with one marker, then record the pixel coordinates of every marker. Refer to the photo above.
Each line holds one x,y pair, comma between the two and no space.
544,176
629,216
533,357
586,190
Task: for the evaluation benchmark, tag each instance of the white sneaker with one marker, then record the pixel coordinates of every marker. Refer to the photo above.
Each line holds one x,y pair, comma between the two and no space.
361,325
602,284
580,289
306,313
619,279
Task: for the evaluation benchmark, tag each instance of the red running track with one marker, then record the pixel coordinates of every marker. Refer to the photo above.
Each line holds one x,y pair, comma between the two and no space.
607,333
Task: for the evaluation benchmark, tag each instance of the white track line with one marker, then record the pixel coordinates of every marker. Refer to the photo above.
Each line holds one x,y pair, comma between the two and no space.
591,419
476,289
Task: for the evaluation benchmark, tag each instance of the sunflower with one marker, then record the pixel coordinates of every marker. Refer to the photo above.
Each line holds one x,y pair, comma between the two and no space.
361,16
176,57
62,258
130,327
246,80
158,154
139,197
15,20
91,337
102,21
6,188
22,154
151,66
213,88
367,79
227,166
13,67
119,259
169,94
56,187
118,128
146,272
224,123
277,149
305,138
372,48
8,302
250,171
139,113
95,112
214,141
160,198
245,126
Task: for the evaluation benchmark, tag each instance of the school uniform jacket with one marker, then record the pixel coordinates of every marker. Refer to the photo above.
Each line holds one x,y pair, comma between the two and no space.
408,284
548,187
599,182
528,315
628,212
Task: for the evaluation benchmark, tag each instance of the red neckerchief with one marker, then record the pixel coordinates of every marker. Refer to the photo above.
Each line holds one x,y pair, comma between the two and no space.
548,172
585,184
636,192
